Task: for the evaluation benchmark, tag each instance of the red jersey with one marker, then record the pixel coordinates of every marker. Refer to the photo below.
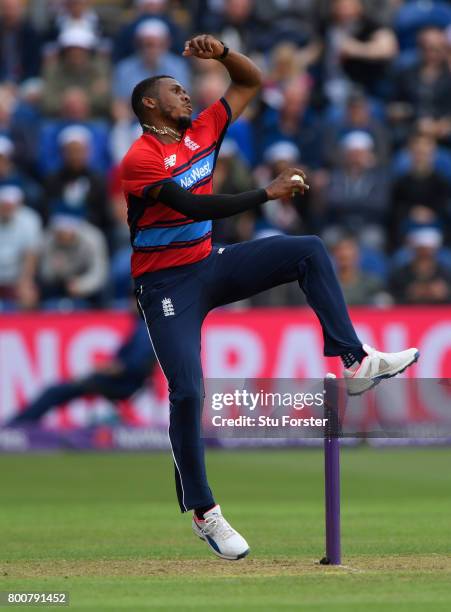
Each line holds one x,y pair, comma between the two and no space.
162,237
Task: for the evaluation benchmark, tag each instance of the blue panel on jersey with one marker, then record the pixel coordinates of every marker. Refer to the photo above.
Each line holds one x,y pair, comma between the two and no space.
198,172
163,236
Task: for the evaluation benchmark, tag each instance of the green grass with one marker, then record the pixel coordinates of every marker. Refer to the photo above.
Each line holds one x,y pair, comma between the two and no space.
106,528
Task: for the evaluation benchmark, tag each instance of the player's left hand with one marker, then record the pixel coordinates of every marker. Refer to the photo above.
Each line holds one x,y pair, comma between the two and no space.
203,46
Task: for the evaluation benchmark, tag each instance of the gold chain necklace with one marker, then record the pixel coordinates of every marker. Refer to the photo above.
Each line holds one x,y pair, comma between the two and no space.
164,131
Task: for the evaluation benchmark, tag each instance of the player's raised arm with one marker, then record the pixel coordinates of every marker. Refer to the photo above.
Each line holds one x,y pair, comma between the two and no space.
245,75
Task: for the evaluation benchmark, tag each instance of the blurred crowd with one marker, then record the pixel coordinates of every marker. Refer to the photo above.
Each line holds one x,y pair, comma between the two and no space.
358,93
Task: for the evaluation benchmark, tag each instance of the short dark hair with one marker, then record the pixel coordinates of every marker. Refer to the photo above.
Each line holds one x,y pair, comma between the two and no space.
148,87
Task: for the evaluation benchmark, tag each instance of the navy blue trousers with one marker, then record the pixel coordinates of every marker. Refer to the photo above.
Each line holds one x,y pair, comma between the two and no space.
175,302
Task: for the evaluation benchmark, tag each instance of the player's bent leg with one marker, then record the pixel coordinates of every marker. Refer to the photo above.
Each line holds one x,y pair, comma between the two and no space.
249,268
319,282
375,365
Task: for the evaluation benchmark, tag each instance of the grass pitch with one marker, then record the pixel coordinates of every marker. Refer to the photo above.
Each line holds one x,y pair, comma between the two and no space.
106,529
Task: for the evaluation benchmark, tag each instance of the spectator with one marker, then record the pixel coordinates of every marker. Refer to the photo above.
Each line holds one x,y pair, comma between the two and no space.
235,23
21,122
77,66
292,21
10,174
118,210
286,61
124,44
421,185
74,262
231,173
289,216
250,26
75,188
401,162
75,110
424,280
10,126
292,119
74,14
356,50
152,57
284,65
414,15
122,135
6,152
20,235
231,176
210,84
356,117
423,90
20,51
359,288
75,106
419,217
120,281
357,194
384,10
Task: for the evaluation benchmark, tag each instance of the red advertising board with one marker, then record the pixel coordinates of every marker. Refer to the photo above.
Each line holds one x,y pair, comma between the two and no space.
38,349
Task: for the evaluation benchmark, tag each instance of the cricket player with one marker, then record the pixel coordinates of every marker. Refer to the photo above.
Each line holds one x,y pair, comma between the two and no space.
179,276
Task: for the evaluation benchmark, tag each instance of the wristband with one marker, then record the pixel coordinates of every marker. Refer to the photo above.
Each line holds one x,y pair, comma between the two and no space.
225,53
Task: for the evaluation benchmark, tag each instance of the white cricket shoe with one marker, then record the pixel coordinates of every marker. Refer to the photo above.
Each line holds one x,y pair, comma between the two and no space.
376,366
221,537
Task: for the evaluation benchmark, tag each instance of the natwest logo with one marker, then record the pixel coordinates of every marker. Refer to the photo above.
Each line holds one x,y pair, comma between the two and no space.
196,174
